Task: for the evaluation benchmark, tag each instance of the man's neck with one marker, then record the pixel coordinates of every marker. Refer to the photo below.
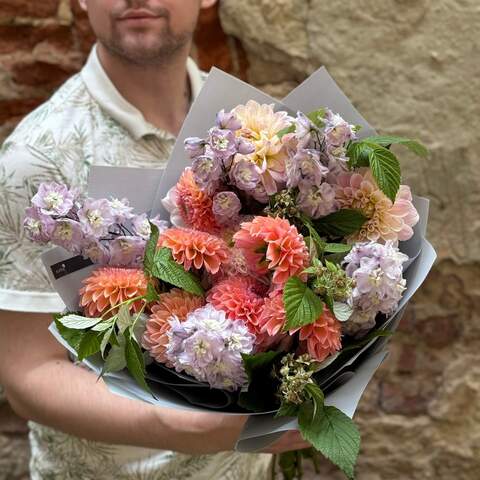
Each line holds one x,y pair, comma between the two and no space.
160,92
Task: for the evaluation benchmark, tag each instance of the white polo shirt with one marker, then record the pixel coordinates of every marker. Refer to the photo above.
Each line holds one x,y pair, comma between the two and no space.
87,122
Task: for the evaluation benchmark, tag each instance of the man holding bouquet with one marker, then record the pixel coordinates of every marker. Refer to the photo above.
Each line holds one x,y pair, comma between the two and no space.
123,109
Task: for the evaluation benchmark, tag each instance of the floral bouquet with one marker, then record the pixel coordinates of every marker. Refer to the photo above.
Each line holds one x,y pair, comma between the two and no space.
275,270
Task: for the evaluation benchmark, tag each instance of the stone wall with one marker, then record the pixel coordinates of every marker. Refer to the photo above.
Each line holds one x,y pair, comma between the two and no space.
411,67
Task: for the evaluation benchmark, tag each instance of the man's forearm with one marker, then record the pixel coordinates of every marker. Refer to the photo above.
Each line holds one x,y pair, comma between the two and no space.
69,398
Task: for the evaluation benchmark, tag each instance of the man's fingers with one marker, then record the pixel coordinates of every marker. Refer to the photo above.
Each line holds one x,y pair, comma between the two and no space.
291,440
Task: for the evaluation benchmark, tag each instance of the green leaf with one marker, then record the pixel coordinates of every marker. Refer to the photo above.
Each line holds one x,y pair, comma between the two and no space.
387,140
115,360
386,171
302,306
286,130
152,294
104,325
262,387
167,269
105,340
89,345
357,153
341,223
124,319
316,395
342,311
287,410
150,249
332,433
317,117
337,248
72,336
78,322
134,360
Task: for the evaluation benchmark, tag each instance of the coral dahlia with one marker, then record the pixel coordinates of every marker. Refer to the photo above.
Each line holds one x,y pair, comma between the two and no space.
189,206
192,247
273,244
107,287
241,298
323,337
177,303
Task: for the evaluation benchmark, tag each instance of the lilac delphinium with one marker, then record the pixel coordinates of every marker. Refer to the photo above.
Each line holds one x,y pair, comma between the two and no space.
222,142
120,210
209,347
194,146
68,234
53,199
337,131
316,201
228,121
141,226
37,225
379,284
96,251
245,175
127,251
226,207
96,217
207,172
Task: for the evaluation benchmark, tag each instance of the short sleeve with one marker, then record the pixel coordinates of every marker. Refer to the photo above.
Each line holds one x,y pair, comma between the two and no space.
24,283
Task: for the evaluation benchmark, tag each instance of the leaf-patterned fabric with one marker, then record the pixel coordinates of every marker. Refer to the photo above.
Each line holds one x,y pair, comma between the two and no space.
87,122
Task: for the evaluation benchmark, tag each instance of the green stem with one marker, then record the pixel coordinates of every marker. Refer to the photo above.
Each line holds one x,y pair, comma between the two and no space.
130,300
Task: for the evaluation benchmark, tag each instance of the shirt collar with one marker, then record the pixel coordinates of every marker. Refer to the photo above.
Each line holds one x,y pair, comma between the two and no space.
111,101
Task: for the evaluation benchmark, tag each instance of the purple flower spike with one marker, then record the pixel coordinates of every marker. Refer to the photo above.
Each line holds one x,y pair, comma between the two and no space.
53,199
194,146
141,225
127,251
228,121
245,175
226,207
207,171
38,227
68,234
222,142
121,210
316,201
96,216
96,251
244,146
209,346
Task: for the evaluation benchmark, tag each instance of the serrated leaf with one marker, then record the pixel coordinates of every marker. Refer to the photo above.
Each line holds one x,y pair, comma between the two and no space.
72,336
332,433
78,322
150,249
342,311
124,319
337,248
115,360
386,171
89,345
286,130
387,140
341,223
134,361
167,269
102,326
357,153
302,306
287,410
310,270
105,340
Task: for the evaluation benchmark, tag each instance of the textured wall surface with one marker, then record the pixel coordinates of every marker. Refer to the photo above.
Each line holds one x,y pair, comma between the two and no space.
411,67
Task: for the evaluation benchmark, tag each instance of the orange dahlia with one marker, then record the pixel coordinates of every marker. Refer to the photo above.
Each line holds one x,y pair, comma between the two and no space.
241,298
195,205
272,318
323,337
192,247
107,287
273,244
175,302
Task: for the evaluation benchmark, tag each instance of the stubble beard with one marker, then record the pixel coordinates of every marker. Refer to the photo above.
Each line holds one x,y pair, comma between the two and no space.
162,52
